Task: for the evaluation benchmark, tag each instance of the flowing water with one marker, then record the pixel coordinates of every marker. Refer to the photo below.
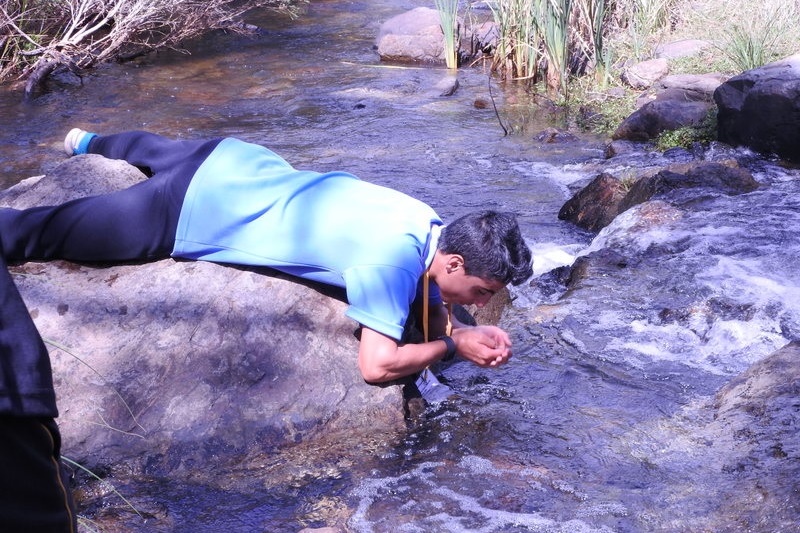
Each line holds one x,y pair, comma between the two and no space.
601,422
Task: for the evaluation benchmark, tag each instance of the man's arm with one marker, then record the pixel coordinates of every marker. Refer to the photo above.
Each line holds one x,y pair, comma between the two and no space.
381,358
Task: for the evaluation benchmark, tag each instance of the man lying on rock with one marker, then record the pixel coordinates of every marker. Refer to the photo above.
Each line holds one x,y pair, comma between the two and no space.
233,202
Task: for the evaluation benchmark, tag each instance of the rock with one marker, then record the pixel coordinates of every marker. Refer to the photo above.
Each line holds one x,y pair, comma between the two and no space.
767,390
703,84
618,147
593,266
760,109
447,86
682,48
601,201
76,177
672,109
596,205
644,74
166,366
416,37
413,36
716,176
754,439
556,136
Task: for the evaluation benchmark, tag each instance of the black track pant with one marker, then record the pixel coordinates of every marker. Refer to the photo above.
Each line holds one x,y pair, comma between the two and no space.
34,494
137,223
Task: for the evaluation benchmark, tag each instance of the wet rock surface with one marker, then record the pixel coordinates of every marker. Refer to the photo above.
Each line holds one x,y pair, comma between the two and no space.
597,204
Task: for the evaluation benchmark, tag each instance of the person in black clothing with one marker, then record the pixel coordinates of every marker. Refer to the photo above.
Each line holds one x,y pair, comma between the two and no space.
34,493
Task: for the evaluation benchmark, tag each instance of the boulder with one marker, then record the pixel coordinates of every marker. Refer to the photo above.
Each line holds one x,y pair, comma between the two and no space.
682,48
416,37
770,385
760,109
619,147
722,178
644,74
596,205
754,439
702,84
413,36
170,365
556,136
672,109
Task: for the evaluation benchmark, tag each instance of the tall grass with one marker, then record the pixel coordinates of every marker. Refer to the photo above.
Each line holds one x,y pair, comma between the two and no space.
553,19
517,52
751,36
646,21
448,18
534,39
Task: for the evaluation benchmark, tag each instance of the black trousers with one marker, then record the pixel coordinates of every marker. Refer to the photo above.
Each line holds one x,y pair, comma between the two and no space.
34,494
133,224
34,489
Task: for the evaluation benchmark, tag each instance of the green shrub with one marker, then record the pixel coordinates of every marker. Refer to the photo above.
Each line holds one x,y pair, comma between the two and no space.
687,136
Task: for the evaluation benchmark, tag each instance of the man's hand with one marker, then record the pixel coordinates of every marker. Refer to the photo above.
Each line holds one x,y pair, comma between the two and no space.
381,359
486,346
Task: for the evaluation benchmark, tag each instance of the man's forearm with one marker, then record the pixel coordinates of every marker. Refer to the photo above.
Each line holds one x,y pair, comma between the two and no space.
381,359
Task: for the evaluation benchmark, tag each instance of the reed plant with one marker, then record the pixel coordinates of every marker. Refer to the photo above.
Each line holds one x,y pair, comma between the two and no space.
594,15
448,18
543,37
553,18
517,52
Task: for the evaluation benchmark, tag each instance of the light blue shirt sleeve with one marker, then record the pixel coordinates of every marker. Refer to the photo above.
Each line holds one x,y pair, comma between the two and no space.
380,297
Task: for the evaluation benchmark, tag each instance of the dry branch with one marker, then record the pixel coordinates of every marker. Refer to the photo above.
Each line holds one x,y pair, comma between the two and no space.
39,36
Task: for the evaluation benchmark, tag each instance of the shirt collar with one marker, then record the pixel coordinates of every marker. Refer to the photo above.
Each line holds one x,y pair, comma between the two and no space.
432,244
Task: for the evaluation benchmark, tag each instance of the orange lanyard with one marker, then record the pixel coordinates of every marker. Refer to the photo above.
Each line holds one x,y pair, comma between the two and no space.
425,304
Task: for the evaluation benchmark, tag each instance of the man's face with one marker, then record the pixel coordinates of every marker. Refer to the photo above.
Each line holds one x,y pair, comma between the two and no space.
459,288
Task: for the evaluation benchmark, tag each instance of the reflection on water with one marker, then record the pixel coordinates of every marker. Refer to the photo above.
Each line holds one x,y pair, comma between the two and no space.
600,423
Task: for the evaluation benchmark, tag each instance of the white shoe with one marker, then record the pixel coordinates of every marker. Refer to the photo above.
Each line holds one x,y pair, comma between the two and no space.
77,141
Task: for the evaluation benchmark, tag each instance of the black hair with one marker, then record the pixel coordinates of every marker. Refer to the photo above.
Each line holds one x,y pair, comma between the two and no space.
491,244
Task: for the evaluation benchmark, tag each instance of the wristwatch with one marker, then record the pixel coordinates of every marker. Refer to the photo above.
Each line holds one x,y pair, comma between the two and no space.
451,347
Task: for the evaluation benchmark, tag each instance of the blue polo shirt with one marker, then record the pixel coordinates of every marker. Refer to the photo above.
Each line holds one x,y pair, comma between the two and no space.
246,205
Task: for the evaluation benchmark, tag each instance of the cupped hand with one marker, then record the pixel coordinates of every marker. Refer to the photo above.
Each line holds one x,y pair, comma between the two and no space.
486,346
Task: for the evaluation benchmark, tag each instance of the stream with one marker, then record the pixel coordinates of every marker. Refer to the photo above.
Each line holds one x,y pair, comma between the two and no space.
603,420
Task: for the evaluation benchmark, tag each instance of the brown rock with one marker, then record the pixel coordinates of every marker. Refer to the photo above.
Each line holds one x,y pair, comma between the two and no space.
596,205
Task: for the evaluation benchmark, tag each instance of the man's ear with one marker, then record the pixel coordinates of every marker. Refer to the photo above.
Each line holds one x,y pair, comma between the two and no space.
454,263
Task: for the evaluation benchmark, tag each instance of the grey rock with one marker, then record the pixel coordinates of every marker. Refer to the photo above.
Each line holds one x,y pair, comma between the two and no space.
169,365
644,74
413,36
682,48
704,84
